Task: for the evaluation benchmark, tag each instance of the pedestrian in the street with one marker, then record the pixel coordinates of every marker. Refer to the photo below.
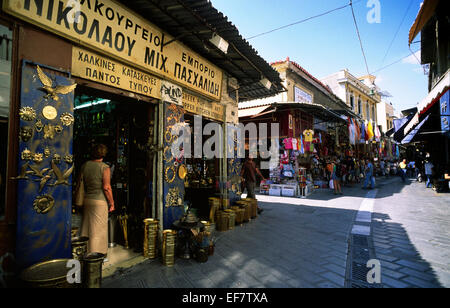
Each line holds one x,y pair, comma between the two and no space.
337,177
428,172
383,167
248,175
369,175
403,169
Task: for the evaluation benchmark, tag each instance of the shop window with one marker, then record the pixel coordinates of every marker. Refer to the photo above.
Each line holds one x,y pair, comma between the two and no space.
5,85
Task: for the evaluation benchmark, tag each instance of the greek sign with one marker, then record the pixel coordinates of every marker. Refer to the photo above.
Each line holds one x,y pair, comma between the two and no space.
195,105
112,29
91,66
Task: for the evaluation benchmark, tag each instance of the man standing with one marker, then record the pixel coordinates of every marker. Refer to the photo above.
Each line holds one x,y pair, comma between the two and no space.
248,174
403,167
428,172
369,175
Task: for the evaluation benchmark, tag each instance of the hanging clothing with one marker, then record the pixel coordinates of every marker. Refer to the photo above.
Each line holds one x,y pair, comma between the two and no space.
370,131
309,134
287,143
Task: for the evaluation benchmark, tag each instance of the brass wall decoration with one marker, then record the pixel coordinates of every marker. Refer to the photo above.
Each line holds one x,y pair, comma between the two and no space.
37,172
67,119
182,172
173,197
43,204
68,159
168,157
61,178
49,131
52,92
38,157
170,174
27,114
23,173
56,159
58,129
47,152
49,112
26,154
26,133
168,136
39,126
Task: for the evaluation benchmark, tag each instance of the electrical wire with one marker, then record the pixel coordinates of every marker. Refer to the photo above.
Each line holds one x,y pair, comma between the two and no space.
301,21
395,62
359,37
396,33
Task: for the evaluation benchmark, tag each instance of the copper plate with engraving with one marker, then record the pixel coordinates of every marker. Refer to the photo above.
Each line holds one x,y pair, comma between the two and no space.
49,112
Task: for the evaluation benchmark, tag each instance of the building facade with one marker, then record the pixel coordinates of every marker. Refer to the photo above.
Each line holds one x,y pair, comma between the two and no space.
360,94
115,77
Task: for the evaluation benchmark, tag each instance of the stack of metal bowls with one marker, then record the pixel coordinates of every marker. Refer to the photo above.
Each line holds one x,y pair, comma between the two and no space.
254,207
168,249
150,238
231,219
222,221
246,206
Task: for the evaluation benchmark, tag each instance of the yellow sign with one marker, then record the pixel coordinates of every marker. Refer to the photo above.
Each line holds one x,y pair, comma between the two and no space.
111,28
91,66
195,105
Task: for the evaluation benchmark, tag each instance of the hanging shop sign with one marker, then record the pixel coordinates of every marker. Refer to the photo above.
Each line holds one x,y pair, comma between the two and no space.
445,112
91,66
110,28
195,105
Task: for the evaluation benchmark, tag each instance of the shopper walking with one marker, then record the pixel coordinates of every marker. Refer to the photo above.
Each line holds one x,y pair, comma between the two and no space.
369,175
403,169
95,176
337,177
428,172
248,175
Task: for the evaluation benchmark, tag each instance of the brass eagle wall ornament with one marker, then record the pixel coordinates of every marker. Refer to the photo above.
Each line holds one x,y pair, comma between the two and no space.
61,178
53,91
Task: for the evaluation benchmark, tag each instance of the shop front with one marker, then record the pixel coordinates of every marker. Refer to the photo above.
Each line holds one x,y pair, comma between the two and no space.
108,77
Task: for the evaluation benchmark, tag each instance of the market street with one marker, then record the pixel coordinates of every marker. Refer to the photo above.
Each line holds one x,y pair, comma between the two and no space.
316,242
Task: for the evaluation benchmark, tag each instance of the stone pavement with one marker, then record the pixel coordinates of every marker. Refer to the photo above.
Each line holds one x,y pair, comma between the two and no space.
304,243
411,236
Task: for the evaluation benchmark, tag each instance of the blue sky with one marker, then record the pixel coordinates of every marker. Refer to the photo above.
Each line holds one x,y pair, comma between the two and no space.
329,43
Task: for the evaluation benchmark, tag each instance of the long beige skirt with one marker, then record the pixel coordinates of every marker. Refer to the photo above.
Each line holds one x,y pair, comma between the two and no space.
95,225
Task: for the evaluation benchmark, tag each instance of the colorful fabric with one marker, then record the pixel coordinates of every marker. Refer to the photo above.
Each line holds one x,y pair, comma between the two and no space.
370,131
287,143
309,134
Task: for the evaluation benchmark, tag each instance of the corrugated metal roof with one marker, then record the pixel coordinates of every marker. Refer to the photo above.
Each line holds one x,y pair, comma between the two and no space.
248,112
194,22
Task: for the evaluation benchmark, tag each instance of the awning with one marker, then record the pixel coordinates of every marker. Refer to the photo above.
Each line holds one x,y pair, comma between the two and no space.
425,13
250,112
316,110
399,128
439,90
413,132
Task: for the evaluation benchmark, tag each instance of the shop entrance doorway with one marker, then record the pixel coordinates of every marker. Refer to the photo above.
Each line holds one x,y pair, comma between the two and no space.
125,126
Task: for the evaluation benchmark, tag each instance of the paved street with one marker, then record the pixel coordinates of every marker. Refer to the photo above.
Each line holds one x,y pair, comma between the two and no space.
319,242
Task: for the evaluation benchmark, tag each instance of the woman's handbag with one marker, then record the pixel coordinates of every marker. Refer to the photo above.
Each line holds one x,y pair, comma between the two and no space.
79,194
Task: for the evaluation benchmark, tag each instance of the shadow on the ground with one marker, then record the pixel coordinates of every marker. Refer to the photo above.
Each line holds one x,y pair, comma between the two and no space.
288,246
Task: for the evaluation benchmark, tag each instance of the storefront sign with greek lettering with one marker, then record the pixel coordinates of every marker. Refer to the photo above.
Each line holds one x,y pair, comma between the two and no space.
113,29
88,65
195,105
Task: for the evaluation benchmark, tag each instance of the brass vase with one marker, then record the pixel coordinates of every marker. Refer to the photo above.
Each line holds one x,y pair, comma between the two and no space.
150,238
168,249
